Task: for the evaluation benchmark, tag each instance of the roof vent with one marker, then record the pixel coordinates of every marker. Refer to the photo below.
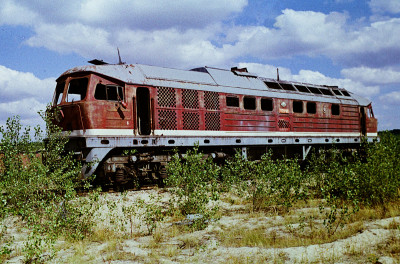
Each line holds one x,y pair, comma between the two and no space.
242,72
97,62
236,69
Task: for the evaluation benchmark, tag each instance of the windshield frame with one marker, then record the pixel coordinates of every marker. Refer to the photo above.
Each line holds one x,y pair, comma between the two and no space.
63,98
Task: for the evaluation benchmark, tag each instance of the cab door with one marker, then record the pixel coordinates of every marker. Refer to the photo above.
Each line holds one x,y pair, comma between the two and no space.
363,121
143,111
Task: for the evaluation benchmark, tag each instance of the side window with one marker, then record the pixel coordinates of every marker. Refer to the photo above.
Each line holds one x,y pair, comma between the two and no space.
267,104
59,93
109,92
77,89
370,113
232,101
249,103
311,108
297,106
335,109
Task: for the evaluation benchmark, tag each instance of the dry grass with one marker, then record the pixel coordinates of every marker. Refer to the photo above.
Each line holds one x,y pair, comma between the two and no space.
233,259
123,255
269,233
281,237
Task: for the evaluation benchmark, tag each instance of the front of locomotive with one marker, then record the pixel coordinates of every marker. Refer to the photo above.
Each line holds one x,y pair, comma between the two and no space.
87,104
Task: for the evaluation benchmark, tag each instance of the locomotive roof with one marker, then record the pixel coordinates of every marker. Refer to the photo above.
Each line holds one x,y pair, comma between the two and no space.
234,81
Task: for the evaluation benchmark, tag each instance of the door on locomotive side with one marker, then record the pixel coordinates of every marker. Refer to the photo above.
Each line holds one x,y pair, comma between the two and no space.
143,111
371,122
363,121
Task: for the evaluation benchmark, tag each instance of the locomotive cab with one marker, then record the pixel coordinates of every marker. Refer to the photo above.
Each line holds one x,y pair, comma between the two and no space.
92,102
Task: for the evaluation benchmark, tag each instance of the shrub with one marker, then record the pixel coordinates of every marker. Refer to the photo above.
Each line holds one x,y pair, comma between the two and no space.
39,190
194,179
379,172
368,177
266,183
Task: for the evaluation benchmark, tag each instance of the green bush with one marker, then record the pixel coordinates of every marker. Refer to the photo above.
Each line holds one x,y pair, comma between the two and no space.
39,185
194,179
379,172
266,183
368,177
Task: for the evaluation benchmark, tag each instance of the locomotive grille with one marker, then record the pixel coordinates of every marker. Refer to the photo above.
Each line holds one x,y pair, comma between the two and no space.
166,97
212,121
211,100
167,119
190,99
283,123
191,121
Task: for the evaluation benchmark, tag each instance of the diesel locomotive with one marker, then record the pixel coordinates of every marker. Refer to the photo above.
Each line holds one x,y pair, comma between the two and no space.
124,121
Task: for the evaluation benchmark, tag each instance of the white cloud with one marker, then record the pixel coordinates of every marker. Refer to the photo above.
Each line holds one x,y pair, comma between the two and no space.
78,38
15,85
391,98
315,34
23,94
26,108
188,33
372,75
159,14
177,33
171,47
133,14
385,6
13,14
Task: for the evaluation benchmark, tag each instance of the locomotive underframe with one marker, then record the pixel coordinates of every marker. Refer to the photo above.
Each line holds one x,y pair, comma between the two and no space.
104,156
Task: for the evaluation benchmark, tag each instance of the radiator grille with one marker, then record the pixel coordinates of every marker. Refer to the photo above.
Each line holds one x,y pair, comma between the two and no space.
167,119
211,100
283,124
166,97
190,99
191,121
212,121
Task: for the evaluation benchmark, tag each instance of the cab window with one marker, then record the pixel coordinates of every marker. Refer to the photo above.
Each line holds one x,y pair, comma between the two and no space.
77,89
59,93
109,92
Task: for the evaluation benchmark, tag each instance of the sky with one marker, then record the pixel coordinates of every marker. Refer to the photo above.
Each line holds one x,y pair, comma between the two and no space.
353,44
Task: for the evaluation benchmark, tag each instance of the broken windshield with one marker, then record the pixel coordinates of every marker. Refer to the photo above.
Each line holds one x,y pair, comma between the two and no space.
77,89
59,92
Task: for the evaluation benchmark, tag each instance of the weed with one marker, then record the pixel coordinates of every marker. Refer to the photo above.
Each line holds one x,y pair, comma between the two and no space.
195,184
152,215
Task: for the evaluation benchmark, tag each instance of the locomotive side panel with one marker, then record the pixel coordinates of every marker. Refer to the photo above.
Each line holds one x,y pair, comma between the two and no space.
247,113
183,109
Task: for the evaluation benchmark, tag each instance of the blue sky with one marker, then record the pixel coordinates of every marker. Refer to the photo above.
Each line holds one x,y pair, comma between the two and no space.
350,43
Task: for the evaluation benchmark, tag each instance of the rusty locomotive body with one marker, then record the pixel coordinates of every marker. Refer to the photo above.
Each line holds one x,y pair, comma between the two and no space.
110,110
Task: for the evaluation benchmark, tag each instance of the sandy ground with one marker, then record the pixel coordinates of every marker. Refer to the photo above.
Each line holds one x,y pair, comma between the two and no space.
173,246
